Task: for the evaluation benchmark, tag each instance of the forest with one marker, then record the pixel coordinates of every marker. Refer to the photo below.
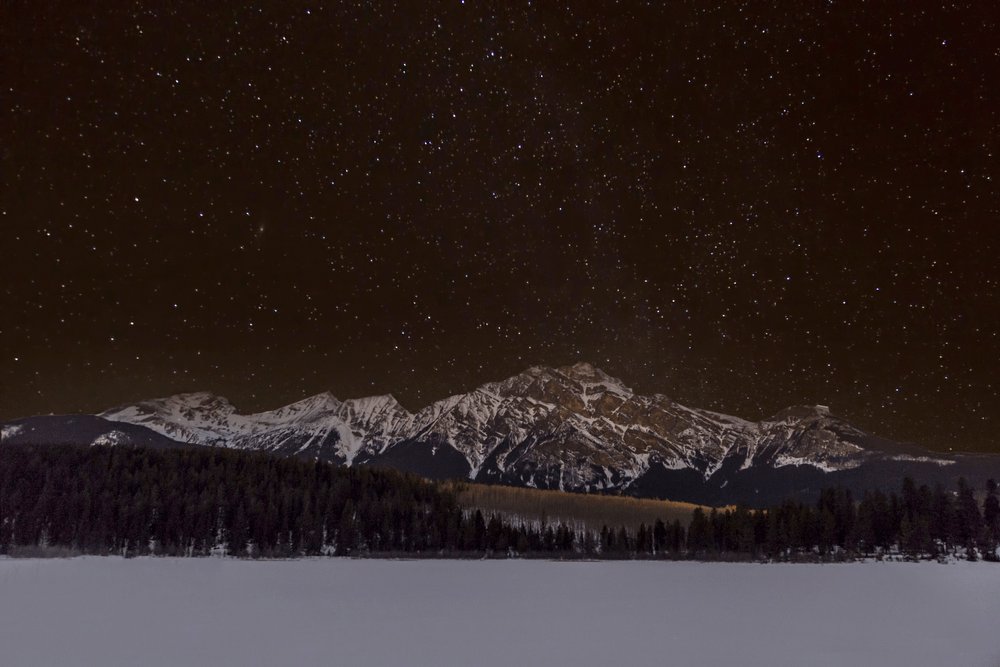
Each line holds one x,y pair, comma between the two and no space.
64,500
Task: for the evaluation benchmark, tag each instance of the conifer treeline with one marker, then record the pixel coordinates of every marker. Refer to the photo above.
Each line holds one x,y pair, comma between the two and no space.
915,523
132,501
189,502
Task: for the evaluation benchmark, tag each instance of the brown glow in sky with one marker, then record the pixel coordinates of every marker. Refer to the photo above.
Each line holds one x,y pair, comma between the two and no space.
740,206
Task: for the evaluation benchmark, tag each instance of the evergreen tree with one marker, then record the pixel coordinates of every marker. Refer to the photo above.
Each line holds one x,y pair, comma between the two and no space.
659,537
991,522
991,509
699,532
969,521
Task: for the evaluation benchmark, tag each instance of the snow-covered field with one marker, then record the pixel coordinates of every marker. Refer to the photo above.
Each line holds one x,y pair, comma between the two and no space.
145,611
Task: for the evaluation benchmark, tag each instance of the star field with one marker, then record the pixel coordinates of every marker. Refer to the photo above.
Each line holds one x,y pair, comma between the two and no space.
742,206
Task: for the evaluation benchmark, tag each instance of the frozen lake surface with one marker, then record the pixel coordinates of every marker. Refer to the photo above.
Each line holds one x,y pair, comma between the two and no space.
151,612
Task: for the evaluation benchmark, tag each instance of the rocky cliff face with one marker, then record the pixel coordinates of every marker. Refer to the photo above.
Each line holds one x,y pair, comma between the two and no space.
573,428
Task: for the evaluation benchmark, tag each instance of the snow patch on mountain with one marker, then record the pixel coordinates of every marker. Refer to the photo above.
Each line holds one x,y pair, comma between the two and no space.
111,439
921,459
825,466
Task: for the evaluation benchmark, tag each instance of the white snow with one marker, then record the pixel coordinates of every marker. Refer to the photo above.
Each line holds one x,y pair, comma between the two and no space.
10,430
219,612
110,439
825,466
921,459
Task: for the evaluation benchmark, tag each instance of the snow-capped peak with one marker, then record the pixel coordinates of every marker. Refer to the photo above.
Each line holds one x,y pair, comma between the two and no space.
378,403
591,377
202,398
306,409
796,412
197,417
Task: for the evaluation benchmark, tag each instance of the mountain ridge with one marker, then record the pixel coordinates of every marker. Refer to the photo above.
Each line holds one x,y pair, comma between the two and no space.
572,428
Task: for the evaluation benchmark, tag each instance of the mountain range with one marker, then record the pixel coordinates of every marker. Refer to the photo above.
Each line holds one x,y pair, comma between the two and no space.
573,428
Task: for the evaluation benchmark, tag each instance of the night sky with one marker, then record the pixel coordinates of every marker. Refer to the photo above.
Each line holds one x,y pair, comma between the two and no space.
743,207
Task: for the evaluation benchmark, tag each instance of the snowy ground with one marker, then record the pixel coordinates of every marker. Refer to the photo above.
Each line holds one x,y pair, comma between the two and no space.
110,612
